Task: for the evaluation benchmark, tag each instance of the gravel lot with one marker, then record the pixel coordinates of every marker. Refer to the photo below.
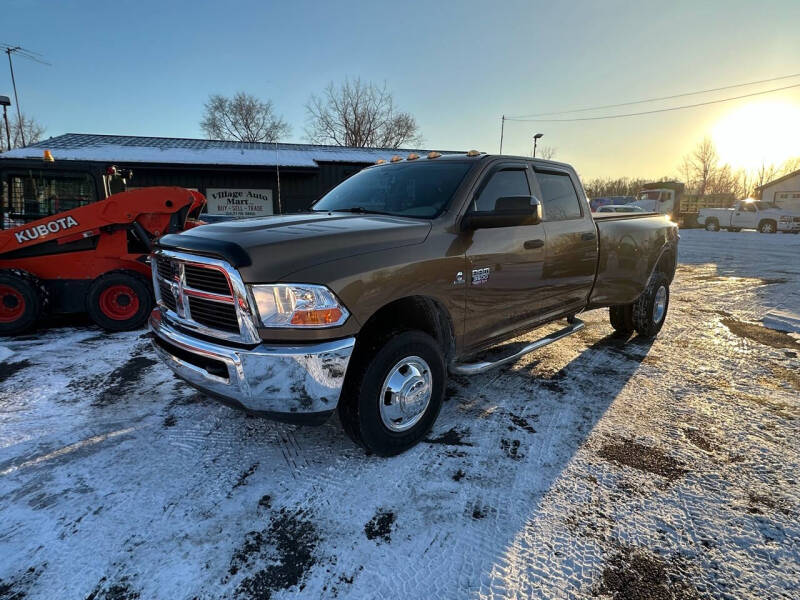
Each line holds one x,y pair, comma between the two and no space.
597,467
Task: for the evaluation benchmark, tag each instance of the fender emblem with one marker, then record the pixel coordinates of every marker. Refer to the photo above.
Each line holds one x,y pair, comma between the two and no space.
480,276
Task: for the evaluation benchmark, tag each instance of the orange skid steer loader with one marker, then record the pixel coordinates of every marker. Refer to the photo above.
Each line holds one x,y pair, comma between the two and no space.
91,259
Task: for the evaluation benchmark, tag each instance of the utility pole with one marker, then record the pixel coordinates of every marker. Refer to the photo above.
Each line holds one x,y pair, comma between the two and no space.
502,128
30,55
20,124
5,102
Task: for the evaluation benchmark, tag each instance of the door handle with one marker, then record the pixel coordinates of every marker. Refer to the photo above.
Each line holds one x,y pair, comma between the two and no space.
588,236
531,244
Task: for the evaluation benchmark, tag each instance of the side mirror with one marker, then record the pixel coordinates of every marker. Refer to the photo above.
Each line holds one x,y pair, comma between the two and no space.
510,211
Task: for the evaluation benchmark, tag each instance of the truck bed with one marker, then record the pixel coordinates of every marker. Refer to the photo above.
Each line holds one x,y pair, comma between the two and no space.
629,248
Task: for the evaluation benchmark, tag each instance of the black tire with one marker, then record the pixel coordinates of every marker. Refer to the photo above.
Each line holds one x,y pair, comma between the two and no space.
621,318
735,229
644,315
21,302
359,407
768,226
119,301
712,225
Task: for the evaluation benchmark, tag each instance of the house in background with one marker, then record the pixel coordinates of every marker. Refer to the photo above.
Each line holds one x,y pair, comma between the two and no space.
784,191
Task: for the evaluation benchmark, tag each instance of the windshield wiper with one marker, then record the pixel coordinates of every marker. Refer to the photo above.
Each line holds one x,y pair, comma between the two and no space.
359,210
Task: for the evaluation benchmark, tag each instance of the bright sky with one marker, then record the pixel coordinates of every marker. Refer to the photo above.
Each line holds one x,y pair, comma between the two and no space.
146,68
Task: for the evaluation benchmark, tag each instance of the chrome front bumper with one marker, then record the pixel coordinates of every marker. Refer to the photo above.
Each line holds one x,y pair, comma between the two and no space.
277,380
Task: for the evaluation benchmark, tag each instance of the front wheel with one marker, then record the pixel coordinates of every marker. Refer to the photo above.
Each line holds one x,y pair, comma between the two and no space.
393,392
767,227
650,309
712,225
119,301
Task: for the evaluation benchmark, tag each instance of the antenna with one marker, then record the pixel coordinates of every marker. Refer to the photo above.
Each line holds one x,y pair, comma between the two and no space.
278,173
30,55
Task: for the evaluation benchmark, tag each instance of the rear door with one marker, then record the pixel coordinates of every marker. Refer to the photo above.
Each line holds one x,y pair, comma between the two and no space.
504,264
570,259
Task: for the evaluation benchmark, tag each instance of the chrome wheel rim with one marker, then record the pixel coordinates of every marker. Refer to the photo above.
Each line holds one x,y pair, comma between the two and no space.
660,304
767,228
711,227
406,394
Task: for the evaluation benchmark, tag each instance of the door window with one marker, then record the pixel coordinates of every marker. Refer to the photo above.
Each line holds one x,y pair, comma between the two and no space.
559,199
748,208
508,182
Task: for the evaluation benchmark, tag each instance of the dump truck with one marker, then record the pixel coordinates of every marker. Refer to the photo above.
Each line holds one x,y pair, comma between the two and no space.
670,198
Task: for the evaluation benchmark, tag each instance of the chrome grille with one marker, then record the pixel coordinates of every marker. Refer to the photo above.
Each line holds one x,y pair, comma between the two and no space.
214,314
166,295
208,280
203,294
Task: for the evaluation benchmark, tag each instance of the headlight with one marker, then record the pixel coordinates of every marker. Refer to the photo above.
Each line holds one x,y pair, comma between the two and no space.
298,305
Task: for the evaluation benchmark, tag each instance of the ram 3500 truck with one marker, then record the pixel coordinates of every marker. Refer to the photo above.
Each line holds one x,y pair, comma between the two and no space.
404,272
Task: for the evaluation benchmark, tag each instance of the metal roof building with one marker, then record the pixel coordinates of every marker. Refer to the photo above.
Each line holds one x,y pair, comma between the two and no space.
220,169
784,191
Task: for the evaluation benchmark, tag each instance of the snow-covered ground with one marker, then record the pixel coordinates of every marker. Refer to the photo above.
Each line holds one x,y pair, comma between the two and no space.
595,467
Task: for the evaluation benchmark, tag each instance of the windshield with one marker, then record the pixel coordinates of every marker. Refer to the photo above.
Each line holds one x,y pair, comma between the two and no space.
410,189
651,195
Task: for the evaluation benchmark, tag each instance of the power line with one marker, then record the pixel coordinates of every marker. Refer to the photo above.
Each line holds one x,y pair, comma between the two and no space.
658,110
682,95
29,54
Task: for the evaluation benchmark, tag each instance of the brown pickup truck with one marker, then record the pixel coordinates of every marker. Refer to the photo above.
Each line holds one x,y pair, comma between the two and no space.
403,273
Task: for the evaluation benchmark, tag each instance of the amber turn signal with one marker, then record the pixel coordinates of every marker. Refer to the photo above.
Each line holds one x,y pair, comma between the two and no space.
323,316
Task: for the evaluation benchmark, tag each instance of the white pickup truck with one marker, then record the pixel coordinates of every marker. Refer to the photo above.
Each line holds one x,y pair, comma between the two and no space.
750,214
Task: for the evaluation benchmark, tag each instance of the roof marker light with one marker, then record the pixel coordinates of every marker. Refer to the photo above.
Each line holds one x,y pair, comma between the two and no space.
396,158
48,156
473,153
434,154
413,156
380,161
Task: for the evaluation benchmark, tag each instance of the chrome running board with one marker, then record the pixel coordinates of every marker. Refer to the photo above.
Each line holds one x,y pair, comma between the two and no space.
479,367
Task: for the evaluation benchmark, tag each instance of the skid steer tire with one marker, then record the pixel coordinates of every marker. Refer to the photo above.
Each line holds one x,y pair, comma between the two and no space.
22,300
119,301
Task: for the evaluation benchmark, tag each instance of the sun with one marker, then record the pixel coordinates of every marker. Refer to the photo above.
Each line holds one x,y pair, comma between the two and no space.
766,131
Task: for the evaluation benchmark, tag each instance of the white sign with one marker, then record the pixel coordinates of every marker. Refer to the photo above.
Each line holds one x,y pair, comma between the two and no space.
239,203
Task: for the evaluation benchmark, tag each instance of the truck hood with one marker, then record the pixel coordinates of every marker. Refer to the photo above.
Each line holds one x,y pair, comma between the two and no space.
266,249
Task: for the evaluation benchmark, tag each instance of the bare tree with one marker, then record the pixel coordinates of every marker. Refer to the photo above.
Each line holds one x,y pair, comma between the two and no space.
33,130
601,187
359,114
243,117
700,166
547,152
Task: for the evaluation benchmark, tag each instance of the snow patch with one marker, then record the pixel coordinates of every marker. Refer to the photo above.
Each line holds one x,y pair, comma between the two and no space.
782,320
5,353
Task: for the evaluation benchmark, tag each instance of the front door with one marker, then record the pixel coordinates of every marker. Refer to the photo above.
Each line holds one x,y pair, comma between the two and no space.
504,264
744,216
570,260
